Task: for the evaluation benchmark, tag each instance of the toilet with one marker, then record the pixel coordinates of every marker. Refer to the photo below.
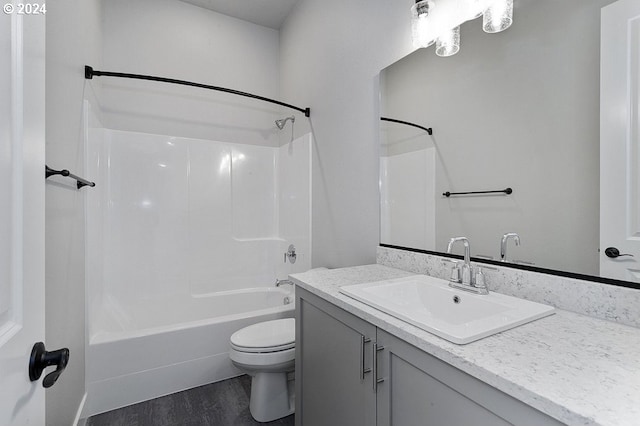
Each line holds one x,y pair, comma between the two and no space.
266,352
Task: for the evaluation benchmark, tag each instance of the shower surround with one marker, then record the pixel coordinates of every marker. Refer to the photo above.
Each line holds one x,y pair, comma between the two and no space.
185,239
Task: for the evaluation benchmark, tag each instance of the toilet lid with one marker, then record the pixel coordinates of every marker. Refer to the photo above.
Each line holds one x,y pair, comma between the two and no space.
268,336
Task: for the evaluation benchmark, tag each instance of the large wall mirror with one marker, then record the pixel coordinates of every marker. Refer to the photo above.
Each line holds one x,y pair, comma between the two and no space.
518,109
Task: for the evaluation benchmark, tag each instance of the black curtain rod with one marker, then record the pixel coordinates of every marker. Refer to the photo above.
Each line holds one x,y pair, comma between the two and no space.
429,130
89,73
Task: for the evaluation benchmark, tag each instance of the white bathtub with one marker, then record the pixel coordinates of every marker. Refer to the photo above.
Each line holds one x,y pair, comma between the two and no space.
159,347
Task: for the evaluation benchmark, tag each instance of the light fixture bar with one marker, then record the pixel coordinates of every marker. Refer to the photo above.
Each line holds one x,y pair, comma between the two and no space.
429,25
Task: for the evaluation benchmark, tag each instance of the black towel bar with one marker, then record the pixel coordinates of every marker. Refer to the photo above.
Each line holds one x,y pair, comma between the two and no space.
48,172
506,191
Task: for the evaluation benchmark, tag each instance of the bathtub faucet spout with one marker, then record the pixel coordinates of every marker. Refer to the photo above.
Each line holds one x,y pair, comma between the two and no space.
284,282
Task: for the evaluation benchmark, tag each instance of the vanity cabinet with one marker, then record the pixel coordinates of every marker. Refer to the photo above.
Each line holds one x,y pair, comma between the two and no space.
333,365
350,373
417,388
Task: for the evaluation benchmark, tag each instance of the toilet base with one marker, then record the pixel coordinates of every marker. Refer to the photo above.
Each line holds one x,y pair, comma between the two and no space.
271,396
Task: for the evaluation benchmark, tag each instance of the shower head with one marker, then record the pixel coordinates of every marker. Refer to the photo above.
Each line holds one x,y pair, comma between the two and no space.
280,123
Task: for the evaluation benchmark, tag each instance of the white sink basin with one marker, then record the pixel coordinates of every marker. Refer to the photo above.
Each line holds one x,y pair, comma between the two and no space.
458,316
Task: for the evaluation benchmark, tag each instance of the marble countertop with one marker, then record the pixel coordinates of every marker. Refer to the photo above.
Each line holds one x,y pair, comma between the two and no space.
577,369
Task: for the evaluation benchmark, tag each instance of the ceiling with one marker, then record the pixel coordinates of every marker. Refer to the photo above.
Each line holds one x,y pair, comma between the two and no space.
268,13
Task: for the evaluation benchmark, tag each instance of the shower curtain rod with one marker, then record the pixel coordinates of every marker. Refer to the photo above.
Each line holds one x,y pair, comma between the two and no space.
89,73
429,130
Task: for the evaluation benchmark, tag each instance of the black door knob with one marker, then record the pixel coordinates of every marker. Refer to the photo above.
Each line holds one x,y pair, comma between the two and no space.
41,359
613,252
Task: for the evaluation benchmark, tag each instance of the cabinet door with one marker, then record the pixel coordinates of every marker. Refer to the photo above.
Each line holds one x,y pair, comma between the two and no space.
419,389
333,365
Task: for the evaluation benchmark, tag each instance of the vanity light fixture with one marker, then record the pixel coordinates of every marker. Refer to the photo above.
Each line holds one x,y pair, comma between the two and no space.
419,23
498,16
449,43
477,8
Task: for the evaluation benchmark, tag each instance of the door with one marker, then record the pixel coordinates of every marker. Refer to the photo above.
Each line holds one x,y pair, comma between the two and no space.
620,141
21,212
333,365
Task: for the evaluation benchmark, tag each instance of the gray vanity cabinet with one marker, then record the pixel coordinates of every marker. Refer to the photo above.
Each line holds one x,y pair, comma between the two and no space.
333,365
342,380
419,389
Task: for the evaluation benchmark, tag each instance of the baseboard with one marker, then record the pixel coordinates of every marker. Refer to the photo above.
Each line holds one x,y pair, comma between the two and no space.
117,392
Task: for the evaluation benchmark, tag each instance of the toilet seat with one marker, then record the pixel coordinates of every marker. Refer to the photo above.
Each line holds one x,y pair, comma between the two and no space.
266,351
265,337
263,350
263,361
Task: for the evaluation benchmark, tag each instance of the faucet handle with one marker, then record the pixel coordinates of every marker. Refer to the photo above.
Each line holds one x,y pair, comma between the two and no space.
290,254
480,282
455,273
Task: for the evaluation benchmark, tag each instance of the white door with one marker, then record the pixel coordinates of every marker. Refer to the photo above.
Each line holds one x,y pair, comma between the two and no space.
620,141
21,213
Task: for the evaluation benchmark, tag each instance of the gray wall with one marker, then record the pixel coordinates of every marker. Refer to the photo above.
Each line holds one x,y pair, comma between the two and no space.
520,109
331,53
73,39
174,39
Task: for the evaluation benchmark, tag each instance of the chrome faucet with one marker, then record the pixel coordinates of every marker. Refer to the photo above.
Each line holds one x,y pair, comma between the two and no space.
466,267
464,278
284,282
503,244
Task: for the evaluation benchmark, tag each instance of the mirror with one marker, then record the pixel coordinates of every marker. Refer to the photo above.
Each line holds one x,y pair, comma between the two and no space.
517,109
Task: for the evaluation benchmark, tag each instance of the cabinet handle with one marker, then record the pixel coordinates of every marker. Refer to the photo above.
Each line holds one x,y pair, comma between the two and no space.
363,370
376,380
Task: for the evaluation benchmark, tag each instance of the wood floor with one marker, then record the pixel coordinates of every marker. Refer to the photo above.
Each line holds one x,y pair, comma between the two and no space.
224,403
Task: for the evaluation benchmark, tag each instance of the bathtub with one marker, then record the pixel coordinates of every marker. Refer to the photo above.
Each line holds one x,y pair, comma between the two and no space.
157,347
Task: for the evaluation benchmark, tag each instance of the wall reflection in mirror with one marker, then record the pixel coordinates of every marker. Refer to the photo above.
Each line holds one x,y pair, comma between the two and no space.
518,109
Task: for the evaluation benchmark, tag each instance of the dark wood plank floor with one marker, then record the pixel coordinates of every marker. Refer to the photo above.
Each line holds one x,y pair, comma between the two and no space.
224,403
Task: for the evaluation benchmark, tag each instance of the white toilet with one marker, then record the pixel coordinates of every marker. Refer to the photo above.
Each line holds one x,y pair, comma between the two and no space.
266,352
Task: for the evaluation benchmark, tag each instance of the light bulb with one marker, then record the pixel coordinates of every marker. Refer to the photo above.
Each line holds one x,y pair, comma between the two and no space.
449,43
477,8
498,16
420,23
